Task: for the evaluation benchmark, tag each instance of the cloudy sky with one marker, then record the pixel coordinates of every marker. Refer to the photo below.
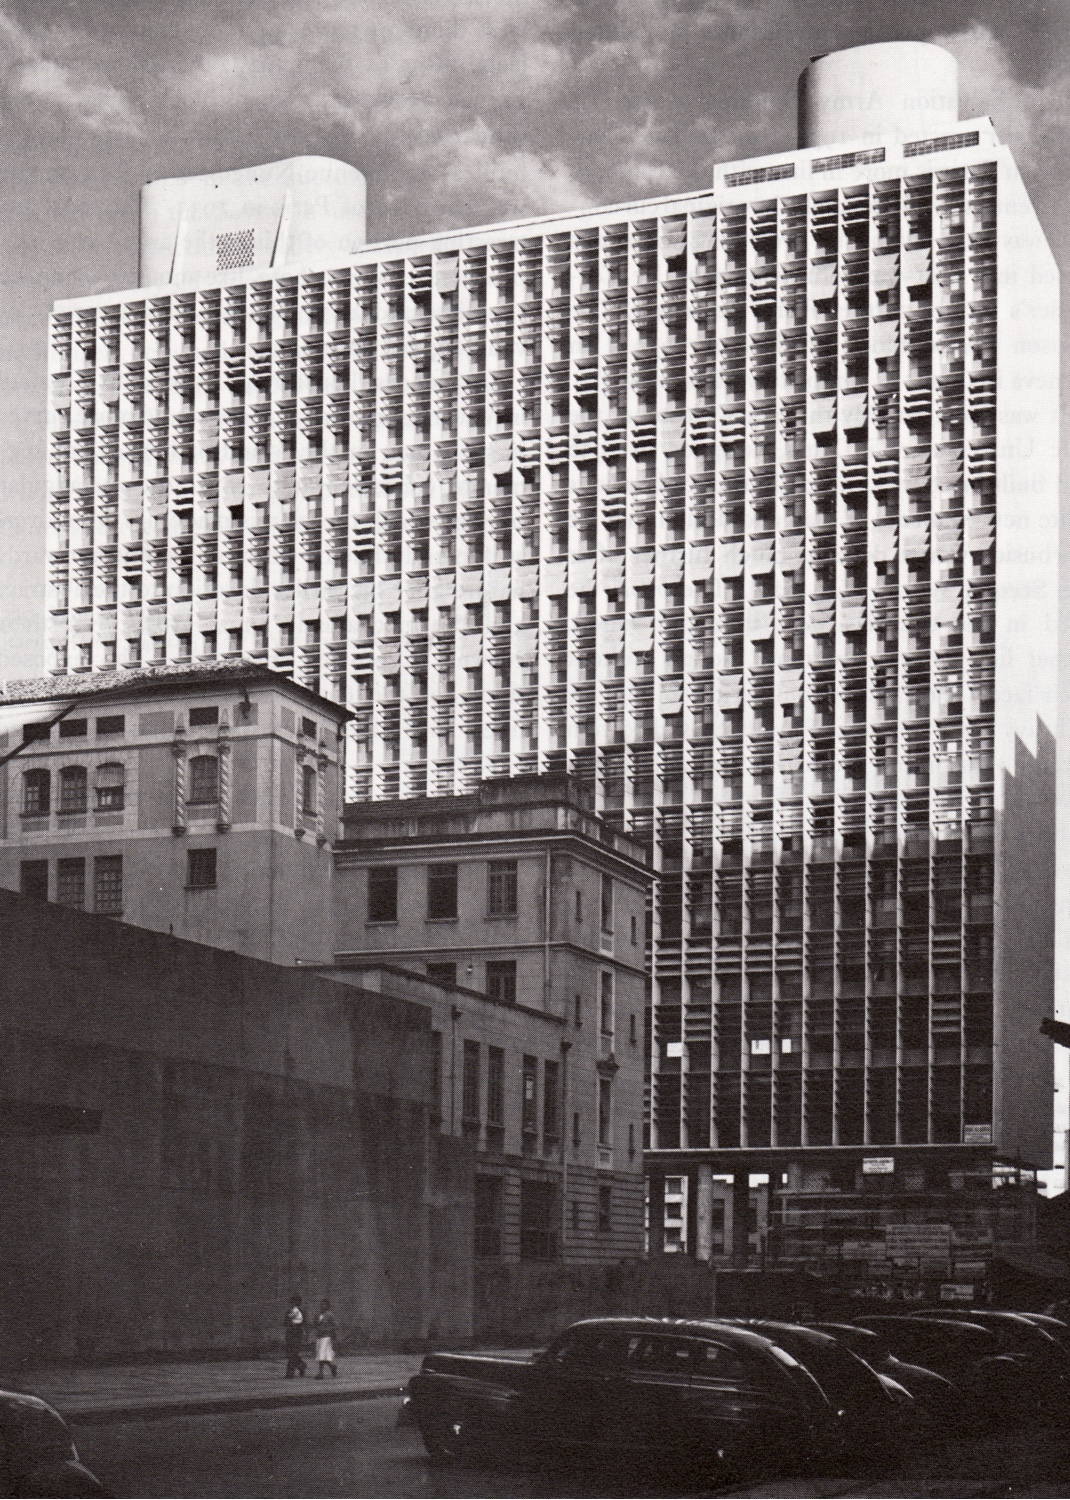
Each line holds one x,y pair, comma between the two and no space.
457,111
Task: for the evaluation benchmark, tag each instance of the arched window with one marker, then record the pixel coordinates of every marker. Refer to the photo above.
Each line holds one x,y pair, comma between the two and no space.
309,791
36,791
72,789
111,787
204,778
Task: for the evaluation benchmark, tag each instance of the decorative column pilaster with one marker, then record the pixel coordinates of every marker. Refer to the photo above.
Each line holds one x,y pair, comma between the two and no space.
223,823
299,789
321,798
178,750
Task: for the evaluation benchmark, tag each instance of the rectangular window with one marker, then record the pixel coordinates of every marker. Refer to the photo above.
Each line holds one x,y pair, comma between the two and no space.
441,892
442,973
70,883
73,729
470,1084
605,1209
529,1096
383,893
501,980
111,724
205,715
72,789
111,787
605,1112
200,869
36,792
577,1010
496,1087
576,1135
204,779
108,884
501,888
33,879
488,1199
32,732
436,1076
605,1003
551,1102
538,1219
607,904
579,905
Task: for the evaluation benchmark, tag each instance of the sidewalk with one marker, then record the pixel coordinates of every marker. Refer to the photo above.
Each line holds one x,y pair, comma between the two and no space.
116,1393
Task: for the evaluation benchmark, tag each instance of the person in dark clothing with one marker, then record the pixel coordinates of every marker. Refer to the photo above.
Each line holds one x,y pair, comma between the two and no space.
295,1337
326,1333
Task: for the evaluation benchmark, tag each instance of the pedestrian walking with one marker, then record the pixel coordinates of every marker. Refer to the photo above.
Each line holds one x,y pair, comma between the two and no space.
295,1337
326,1332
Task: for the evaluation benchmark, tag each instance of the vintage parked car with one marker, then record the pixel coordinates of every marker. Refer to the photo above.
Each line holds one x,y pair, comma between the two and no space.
999,1382
720,1398
875,1408
935,1394
1023,1336
37,1452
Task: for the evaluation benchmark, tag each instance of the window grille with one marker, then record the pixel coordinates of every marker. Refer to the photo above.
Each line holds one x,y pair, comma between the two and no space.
502,888
36,792
204,779
72,789
70,883
108,884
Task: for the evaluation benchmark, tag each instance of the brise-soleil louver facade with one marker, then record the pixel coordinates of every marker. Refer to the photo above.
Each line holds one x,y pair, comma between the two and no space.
739,504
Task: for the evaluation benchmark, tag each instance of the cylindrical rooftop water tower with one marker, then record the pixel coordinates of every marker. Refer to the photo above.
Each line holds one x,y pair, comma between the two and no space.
885,89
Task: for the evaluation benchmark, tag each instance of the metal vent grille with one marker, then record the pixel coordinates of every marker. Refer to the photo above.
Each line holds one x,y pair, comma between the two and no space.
234,249
847,159
942,143
760,174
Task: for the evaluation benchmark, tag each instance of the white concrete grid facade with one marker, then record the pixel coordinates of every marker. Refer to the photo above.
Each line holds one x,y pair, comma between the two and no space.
700,499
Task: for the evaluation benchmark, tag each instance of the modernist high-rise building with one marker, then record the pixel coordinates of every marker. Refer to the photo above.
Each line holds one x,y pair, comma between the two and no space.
740,504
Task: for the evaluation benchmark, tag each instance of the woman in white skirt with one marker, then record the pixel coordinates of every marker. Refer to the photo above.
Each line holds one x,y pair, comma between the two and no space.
326,1332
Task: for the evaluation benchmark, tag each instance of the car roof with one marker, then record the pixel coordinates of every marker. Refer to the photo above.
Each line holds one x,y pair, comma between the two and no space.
29,1403
907,1319
709,1328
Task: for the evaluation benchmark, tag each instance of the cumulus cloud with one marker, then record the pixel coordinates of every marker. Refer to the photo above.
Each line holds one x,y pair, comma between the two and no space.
52,74
357,59
641,149
472,162
1025,115
416,78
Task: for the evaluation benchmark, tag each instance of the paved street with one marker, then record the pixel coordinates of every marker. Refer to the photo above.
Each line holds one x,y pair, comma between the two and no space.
355,1449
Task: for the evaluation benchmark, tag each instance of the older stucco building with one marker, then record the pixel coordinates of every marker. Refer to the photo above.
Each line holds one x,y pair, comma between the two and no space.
527,915
200,801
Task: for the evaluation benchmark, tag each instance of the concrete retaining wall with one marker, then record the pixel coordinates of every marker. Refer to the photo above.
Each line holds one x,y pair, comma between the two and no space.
263,1130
